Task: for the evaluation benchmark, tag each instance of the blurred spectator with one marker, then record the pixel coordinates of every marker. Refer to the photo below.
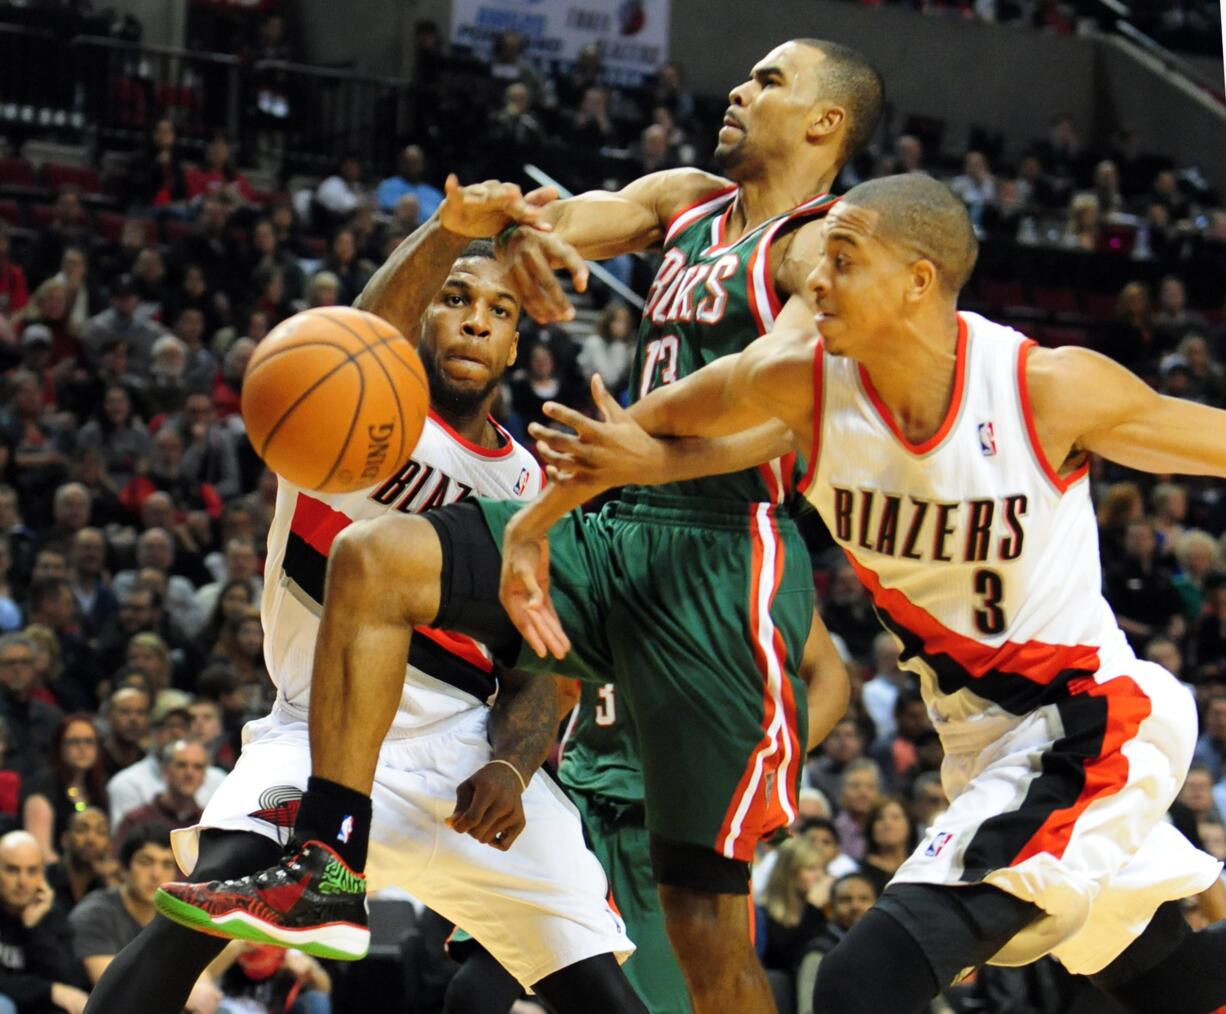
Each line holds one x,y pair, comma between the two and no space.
82,294
1210,635
896,754
1131,340
69,226
31,723
1083,230
156,548
14,293
1062,152
508,63
848,612
121,322
1120,505
850,898
108,920
890,837
209,248
1197,793
167,388
241,565
241,644
514,128
1141,590
586,73
609,350
887,682
1206,379
1170,509
340,194
267,253
10,612
1035,188
539,384
96,603
343,262
1173,319
183,774
219,177
591,125
669,91
976,186
117,436
38,973
262,977
844,745
149,655
858,794
209,458
1199,561
49,307
406,217
909,154
85,849
793,917
75,781
410,178
166,474
324,289
1166,193
139,783
127,717
208,728
928,800
653,152
234,600
156,176
1107,188
228,382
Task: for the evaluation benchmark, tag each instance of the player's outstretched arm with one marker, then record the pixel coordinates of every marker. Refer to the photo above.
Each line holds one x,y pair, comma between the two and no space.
1083,401
404,285
599,224
523,726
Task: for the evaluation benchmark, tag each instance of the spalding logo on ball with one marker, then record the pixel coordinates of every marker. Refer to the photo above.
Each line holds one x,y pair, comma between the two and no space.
335,399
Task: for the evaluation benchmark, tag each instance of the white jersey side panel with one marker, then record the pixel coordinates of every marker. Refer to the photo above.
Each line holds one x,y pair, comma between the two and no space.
447,675
978,555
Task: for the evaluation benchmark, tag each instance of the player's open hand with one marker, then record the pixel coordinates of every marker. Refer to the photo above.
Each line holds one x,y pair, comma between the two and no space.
481,210
489,807
610,451
533,256
524,591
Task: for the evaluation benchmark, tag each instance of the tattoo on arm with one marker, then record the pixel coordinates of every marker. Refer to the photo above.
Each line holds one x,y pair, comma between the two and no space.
523,721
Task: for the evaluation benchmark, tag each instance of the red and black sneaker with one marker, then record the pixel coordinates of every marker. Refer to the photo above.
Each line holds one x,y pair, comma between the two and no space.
310,900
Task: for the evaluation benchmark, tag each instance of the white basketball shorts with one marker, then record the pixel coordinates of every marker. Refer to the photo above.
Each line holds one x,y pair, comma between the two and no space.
537,908
1066,808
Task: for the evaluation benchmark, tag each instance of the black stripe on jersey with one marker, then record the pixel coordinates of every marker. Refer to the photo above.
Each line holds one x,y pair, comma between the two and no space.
307,567
435,660
1012,691
999,839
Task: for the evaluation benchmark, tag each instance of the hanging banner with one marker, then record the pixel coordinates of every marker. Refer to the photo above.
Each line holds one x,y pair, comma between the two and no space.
632,34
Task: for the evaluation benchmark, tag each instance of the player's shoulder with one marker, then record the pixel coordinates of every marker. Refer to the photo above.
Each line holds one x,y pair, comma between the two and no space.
673,191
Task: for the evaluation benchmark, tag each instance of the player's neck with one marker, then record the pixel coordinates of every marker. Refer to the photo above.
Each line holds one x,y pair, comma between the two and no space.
473,426
761,199
914,373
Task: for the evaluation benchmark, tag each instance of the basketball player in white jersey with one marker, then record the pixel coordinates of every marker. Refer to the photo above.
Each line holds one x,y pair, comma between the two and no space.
948,457
461,819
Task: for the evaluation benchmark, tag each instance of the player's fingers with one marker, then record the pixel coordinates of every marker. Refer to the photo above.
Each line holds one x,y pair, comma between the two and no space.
463,799
475,812
559,440
605,402
566,256
493,821
525,623
562,476
509,834
548,286
549,627
587,428
451,184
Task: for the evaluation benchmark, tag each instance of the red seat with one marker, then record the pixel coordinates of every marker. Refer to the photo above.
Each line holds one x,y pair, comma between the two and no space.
40,216
1055,337
268,198
110,226
998,294
84,178
1055,300
174,230
10,211
17,172
1100,305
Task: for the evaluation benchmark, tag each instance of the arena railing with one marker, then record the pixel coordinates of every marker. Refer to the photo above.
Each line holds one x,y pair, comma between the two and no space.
38,90
615,284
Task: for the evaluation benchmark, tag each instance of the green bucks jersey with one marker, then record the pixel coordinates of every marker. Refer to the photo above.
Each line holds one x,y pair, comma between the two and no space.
599,751
710,299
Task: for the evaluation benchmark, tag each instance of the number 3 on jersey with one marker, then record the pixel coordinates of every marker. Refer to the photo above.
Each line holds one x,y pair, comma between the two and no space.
660,353
606,709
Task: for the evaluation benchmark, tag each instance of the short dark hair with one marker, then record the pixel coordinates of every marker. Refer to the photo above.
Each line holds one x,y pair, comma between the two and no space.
846,877
905,699
924,214
44,590
482,248
847,77
217,680
823,824
151,833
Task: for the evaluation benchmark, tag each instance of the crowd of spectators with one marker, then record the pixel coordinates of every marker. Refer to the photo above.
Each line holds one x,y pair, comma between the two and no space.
133,511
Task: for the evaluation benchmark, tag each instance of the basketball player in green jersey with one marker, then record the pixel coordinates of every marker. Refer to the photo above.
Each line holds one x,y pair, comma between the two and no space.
695,600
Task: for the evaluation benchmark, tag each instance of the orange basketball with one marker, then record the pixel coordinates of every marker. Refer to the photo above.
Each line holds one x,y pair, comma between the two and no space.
335,399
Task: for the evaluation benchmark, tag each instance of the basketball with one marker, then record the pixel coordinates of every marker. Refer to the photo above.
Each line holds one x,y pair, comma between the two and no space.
334,399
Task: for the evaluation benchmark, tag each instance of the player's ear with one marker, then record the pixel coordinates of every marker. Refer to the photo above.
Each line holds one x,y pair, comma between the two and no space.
923,278
826,121
513,353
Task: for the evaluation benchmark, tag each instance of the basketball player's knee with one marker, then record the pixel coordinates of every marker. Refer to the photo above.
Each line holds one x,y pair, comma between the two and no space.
371,560
709,947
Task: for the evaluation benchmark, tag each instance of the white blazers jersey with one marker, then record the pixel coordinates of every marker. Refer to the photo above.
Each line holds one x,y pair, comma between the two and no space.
447,674
1063,750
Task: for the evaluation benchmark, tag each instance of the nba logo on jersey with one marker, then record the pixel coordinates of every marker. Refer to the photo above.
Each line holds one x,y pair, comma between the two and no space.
987,439
521,483
943,838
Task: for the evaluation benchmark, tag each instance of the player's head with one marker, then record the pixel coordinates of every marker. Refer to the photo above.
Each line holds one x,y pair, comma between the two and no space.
468,334
894,247
808,98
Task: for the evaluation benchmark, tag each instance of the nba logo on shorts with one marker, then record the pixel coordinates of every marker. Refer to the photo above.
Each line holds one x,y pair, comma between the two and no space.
941,840
987,439
521,483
